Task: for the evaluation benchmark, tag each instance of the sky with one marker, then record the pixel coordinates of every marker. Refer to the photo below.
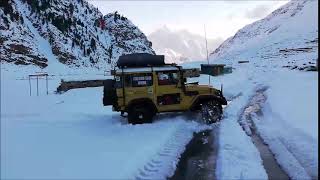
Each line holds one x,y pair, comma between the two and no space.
221,19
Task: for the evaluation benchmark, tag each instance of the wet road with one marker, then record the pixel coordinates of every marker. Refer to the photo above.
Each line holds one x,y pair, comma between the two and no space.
199,159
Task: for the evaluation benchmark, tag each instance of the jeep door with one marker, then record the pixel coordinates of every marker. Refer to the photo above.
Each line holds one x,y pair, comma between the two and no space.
168,96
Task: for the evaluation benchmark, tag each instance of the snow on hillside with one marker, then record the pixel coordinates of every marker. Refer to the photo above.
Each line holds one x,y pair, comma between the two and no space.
181,46
288,35
68,33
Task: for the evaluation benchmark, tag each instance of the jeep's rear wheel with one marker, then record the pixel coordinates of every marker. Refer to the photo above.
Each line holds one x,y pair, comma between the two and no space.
211,112
140,115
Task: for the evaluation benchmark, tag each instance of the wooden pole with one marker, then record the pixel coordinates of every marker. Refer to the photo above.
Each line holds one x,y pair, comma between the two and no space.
29,85
37,87
47,84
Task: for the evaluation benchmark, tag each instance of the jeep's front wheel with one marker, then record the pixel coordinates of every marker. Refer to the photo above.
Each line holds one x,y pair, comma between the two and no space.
211,112
140,115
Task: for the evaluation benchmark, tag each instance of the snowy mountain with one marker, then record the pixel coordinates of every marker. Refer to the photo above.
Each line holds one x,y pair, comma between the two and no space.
287,37
65,32
181,46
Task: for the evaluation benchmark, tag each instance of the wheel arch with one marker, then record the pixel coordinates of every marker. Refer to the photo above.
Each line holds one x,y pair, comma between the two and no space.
145,101
205,98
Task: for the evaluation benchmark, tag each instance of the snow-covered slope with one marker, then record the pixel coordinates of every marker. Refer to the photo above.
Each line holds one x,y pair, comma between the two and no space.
181,46
63,32
286,37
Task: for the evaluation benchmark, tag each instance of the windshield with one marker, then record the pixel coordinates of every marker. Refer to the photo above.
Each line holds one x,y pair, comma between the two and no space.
193,80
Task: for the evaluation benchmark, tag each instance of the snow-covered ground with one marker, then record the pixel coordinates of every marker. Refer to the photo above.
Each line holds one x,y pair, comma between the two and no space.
289,124
73,135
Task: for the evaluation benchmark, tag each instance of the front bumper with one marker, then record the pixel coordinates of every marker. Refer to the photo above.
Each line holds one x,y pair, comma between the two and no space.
223,100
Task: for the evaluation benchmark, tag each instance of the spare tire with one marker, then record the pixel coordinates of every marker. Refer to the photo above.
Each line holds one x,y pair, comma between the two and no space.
140,60
109,92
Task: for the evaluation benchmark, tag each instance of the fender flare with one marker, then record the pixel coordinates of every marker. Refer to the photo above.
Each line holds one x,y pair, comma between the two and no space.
204,98
145,101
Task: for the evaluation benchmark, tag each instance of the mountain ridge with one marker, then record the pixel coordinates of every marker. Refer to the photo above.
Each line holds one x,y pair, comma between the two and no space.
287,36
181,46
66,33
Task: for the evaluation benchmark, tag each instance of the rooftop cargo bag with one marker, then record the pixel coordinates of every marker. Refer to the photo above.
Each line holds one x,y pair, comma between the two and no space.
140,60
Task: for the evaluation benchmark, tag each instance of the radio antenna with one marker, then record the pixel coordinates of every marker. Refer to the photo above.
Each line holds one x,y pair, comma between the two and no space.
205,36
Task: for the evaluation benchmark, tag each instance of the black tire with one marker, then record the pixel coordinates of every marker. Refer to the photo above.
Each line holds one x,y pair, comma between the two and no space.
140,114
211,112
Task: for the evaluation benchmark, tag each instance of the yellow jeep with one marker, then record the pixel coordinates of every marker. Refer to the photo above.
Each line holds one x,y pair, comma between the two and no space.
144,89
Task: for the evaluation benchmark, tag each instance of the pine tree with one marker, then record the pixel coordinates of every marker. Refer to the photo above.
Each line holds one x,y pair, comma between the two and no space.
115,16
71,8
91,60
93,44
21,19
110,53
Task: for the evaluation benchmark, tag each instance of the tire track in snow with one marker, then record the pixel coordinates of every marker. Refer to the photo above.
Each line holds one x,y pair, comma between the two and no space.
164,162
163,165
198,161
294,150
274,151
237,156
303,154
270,164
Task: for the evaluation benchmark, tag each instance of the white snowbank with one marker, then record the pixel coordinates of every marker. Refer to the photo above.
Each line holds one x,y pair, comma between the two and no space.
73,136
290,122
294,97
237,155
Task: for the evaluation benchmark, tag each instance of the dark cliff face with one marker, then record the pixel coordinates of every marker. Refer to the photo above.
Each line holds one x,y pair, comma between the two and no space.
72,32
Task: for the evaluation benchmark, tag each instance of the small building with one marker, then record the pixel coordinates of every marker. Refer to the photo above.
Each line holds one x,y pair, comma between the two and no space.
243,61
212,69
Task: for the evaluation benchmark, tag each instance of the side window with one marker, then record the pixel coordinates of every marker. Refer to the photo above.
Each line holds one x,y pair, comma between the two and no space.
141,80
134,80
138,80
168,78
